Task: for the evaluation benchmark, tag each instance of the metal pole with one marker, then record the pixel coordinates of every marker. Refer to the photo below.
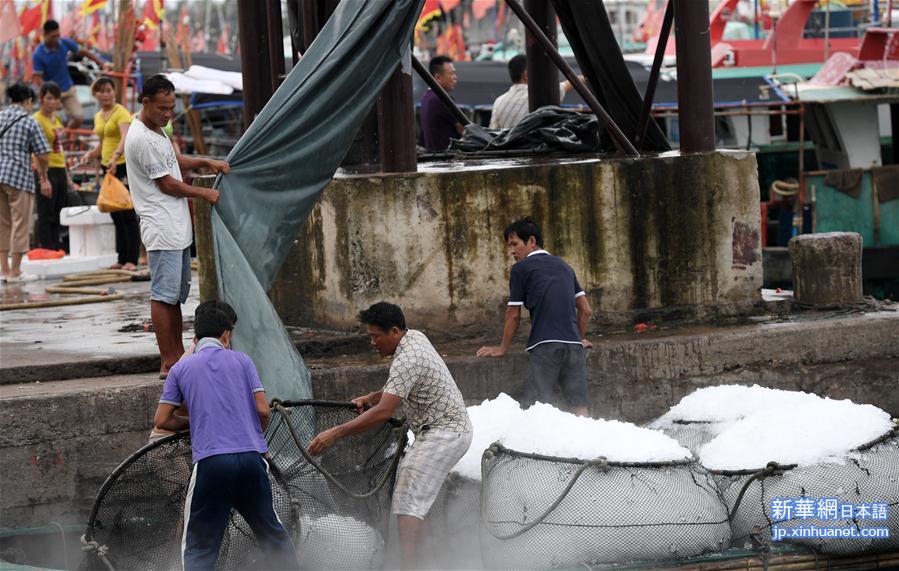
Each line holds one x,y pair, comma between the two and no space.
396,121
654,75
618,137
694,76
889,13
755,18
827,30
275,42
309,17
426,76
543,77
254,64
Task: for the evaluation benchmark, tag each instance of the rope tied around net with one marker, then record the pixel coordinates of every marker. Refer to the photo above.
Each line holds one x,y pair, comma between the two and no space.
602,463
99,550
279,407
770,469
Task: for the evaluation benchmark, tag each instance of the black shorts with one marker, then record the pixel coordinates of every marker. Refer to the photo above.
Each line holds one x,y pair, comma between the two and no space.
558,367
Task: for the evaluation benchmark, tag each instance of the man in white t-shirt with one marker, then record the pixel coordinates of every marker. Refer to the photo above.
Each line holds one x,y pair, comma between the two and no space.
512,106
160,199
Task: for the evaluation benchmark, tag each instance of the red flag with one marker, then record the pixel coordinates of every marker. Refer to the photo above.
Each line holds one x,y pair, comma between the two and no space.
67,24
30,19
91,6
154,13
224,47
452,43
9,21
480,8
429,13
182,35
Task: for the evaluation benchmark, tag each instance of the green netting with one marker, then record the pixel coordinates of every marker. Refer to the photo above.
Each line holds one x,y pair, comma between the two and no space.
283,162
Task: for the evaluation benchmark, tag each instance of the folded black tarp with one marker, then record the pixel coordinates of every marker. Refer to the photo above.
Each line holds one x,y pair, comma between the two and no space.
547,128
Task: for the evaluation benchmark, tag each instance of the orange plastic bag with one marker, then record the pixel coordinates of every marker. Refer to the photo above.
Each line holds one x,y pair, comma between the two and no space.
113,195
45,254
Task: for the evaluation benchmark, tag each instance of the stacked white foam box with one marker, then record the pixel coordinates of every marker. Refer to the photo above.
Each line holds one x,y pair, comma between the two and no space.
91,244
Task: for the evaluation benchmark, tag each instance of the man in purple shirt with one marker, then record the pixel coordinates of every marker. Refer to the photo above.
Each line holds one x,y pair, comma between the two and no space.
438,124
228,413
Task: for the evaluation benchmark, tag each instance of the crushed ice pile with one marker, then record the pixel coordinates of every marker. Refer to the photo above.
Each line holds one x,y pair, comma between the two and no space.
338,542
756,425
544,429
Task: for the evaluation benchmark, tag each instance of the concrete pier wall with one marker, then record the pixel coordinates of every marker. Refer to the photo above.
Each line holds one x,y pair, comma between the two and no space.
62,438
651,238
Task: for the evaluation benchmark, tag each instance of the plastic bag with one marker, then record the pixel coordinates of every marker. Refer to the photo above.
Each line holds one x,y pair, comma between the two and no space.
114,197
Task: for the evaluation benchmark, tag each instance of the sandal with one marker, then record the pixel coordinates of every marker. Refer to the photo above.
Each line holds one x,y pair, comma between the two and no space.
115,267
129,267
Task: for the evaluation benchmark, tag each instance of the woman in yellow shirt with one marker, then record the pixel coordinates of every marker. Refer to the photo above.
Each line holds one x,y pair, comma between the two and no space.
111,124
52,200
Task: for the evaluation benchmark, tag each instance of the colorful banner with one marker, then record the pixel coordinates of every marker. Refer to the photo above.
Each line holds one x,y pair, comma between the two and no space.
91,6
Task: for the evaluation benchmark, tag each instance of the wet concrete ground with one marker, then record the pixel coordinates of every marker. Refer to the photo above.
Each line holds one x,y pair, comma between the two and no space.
53,335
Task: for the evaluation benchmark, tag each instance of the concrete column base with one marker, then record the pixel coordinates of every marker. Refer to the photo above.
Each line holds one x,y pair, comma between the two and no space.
827,268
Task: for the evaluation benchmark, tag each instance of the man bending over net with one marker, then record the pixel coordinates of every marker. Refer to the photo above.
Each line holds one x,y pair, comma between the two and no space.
228,413
421,386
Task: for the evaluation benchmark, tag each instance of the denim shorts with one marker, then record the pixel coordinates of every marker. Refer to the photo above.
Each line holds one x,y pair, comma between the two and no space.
169,275
558,367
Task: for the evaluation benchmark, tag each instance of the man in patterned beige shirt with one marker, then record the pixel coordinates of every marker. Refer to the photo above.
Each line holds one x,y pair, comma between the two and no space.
422,388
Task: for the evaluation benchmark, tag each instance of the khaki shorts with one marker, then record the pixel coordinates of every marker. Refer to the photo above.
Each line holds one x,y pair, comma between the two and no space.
71,104
424,468
15,219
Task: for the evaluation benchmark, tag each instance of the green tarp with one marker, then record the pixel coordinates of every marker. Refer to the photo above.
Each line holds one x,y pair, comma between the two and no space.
283,162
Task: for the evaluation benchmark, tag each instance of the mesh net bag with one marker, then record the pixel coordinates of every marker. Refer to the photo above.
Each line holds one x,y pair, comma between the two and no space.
343,497
335,507
139,512
452,524
692,435
870,475
545,512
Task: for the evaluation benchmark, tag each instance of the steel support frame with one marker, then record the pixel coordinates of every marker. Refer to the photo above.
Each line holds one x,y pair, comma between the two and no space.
621,142
694,76
543,77
653,82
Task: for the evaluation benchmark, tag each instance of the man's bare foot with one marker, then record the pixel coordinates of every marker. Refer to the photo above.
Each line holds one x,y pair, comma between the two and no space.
115,267
129,267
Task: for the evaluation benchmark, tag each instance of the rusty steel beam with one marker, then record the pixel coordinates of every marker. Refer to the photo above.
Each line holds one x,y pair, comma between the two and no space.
275,37
650,94
543,77
694,76
396,122
254,59
426,76
618,137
